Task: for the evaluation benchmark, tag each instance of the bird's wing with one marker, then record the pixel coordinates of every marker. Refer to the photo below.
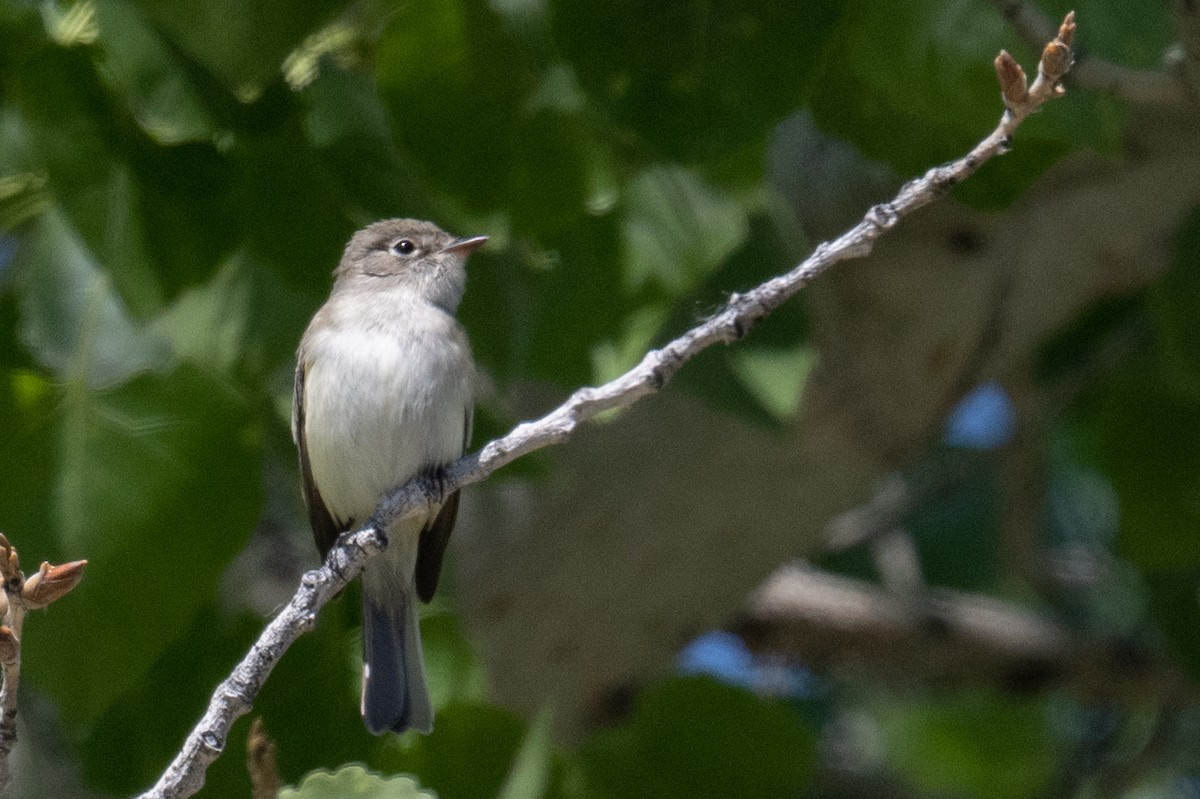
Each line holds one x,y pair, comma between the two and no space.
431,548
325,529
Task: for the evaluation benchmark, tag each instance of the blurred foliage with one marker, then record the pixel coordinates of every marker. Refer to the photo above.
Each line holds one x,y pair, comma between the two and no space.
953,746
688,738
177,180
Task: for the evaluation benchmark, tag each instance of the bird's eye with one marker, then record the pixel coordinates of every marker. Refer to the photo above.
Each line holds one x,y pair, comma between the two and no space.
404,247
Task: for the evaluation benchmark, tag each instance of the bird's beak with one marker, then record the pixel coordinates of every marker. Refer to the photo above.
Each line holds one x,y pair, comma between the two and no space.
466,246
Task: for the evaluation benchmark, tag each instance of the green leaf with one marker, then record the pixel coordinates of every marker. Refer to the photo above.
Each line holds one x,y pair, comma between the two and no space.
530,774
711,377
132,741
22,196
1172,304
610,359
455,674
1060,355
1140,430
22,32
455,80
153,80
157,486
243,44
1002,180
958,537
558,309
1175,605
354,782
208,325
775,377
486,737
61,120
27,462
550,174
71,319
696,737
1150,447
66,127
974,744
347,124
695,82
191,217
677,229
293,213
938,65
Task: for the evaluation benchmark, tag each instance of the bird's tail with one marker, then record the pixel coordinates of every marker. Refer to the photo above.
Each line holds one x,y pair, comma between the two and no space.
395,695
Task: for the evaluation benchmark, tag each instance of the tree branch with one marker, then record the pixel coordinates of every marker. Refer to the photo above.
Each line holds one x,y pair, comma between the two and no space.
234,696
10,662
1143,86
18,596
826,621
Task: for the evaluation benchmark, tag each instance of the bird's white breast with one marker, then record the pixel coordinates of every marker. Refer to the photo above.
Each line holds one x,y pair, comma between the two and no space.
382,401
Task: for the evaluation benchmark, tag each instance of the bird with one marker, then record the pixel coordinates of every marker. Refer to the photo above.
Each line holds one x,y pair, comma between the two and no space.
384,392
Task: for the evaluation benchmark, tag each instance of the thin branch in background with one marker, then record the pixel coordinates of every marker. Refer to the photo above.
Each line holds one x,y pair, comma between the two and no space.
897,563
235,695
21,595
1142,86
828,621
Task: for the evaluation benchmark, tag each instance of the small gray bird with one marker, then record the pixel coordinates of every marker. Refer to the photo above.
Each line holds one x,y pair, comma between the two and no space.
384,392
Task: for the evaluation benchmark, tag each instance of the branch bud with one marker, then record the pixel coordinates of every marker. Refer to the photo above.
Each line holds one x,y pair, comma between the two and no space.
1057,58
10,646
52,583
1066,31
10,564
1014,86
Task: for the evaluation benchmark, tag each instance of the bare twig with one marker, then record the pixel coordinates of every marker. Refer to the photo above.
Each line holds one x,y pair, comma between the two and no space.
10,660
235,695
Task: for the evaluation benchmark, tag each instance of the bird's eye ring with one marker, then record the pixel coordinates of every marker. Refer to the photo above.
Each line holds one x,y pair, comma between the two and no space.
404,247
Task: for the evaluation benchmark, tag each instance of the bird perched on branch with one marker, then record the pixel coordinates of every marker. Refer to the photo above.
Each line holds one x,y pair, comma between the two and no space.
383,393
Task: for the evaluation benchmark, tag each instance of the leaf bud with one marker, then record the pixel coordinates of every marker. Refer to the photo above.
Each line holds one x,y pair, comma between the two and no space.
52,583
